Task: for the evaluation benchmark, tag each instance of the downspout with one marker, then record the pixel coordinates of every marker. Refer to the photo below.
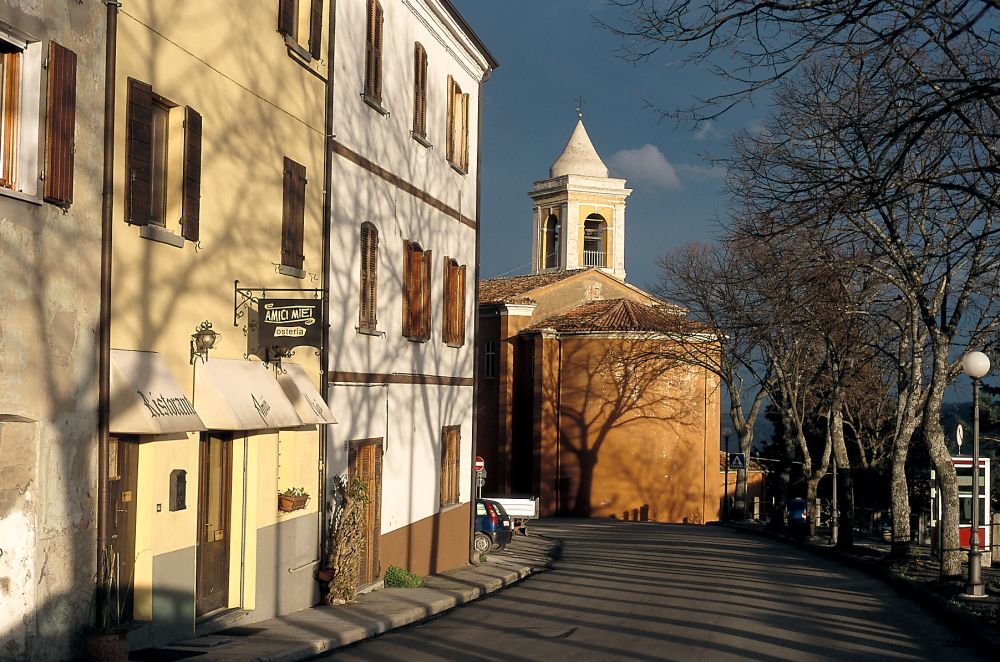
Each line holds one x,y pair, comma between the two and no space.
324,343
559,376
104,325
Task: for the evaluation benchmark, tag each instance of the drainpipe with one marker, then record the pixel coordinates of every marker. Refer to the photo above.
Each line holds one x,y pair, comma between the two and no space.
324,343
104,325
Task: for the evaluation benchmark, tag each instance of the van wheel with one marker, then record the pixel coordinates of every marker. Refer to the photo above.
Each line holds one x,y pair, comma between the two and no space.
482,543
499,548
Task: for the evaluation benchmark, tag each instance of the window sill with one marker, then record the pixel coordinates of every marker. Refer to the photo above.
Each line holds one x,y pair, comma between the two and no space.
286,270
18,195
295,48
369,332
303,57
162,235
457,168
445,507
421,139
455,345
376,104
419,339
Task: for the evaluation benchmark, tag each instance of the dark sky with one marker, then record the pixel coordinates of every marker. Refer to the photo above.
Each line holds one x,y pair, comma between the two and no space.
551,52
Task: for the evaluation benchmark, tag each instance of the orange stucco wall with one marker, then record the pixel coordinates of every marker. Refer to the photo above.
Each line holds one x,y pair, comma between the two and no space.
626,430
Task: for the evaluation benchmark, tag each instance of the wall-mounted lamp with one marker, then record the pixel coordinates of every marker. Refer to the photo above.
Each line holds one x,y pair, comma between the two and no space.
202,340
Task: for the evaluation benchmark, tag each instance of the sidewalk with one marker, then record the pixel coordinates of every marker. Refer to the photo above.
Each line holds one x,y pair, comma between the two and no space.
306,633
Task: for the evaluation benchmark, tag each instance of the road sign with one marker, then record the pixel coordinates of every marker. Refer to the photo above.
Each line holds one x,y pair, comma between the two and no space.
480,464
737,461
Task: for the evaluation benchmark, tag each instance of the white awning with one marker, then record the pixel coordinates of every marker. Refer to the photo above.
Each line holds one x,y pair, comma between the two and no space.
303,395
145,397
241,395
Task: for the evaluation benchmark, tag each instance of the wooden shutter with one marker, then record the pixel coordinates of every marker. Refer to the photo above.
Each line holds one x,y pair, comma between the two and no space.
407,291
449,148
416,297
377,92
376,508
60,124
425,318
10,101
191,198
460,321
293,214
287,17
138,152
465,132
419,90
315,27
445,309
369,277
373,51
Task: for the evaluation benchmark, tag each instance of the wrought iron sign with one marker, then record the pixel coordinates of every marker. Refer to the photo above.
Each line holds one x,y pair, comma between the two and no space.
275,326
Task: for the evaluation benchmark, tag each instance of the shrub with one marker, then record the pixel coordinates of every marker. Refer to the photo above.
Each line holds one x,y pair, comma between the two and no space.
396,577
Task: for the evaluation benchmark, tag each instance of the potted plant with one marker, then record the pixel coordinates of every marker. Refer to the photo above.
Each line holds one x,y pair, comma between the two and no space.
294,498
106,641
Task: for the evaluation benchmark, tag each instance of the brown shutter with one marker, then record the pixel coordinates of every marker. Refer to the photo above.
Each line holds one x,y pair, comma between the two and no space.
287,18
445,325
416,296
138,152
60,123
315,27
407,267
461,306
370,49
377,92
465,132
10,93
425,319
191,199
293,214
449,150
419,90
376,506
369,276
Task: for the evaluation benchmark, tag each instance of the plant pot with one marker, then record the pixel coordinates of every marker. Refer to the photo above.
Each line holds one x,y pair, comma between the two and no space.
287,504
107,647
325,575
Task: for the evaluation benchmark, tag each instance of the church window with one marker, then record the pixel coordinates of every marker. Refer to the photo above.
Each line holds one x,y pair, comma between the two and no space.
416,292
490,359
369,279
457,143
595,250
550,259
373,53
454,303
419,92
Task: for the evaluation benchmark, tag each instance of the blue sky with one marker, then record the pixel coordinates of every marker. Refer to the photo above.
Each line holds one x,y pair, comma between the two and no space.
552,52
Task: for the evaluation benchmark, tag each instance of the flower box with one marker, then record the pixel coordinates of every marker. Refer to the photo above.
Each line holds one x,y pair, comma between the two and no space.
287,504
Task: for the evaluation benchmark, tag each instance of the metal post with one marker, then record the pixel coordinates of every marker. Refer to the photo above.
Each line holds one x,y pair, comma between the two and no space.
833,506
974,588
725,503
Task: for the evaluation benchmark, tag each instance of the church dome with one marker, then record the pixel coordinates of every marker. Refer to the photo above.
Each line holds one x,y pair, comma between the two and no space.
579,157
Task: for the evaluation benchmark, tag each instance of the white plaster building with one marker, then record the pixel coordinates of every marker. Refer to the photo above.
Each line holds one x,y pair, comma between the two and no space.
405,184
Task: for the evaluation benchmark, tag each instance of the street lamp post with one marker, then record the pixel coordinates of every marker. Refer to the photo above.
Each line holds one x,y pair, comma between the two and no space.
975,365
726,432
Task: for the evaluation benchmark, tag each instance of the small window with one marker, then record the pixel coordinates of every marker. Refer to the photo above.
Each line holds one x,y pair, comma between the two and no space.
490,359
453,331
419,92
451,443
369,279
457,145
373,53
416,292
20,83
302,17
595,241
162,162
293,215
550,255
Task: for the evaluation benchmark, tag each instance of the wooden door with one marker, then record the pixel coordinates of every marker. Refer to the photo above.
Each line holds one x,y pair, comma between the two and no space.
365,463
214,495
123,467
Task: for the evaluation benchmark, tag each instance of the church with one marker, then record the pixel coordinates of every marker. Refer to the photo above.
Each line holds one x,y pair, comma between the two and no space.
586,398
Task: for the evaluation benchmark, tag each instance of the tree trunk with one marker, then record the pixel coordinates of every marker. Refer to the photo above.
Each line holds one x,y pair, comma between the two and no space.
845,497
951,557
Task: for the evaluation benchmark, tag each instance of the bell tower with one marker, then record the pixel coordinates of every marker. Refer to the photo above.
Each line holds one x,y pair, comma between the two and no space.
579,212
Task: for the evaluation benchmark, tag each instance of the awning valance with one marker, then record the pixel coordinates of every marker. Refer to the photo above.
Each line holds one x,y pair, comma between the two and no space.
303,395
241,395
145,397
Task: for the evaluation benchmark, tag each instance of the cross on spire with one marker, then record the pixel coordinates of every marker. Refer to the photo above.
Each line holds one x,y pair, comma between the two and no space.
579,106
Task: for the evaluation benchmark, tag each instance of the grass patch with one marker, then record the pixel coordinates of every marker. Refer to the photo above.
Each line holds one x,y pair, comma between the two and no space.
396,577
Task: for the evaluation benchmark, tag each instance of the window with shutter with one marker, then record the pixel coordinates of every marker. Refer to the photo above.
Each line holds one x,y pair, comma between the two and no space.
293,214
288,18
450,462
453,316
364,463
449,145
191,195
457,144
425,316
138,152
60,125
373,52
315,28
419,91
416,292
369,279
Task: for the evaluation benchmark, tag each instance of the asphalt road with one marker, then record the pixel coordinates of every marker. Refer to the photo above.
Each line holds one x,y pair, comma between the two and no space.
634,591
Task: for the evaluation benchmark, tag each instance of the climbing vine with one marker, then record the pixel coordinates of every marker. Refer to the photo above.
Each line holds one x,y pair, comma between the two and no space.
347,539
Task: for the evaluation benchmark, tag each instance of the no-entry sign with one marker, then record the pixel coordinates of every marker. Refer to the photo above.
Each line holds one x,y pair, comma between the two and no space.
479,464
